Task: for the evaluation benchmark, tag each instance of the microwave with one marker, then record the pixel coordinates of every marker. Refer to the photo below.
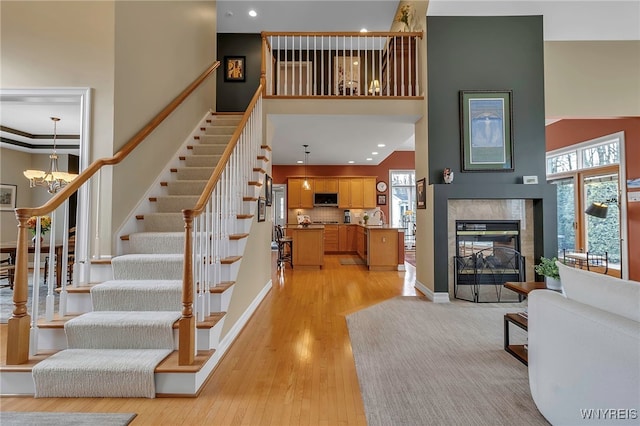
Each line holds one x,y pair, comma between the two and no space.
325,199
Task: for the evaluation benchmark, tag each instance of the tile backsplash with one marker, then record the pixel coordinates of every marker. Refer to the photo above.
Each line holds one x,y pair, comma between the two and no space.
326,214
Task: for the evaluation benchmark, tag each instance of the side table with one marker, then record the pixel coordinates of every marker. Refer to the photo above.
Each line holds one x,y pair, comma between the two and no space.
519,318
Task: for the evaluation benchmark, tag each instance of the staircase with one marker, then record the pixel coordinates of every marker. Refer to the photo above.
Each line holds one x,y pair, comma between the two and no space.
125,347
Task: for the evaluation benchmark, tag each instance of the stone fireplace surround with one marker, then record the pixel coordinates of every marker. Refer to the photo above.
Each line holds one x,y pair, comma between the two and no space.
533,205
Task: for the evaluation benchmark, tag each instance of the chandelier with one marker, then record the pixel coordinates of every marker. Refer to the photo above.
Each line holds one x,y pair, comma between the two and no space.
53,180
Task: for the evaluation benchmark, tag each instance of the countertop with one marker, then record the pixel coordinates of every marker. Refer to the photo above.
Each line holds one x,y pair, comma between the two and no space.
312,226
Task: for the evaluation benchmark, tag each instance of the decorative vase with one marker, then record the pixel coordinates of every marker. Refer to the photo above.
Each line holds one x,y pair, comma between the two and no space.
447,175
553,284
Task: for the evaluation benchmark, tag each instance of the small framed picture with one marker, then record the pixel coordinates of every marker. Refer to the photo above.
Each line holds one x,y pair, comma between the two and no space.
234,69
421,194
262,210
382,199
8,196
268,189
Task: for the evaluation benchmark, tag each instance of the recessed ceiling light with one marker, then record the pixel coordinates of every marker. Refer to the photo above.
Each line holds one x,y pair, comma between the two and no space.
374,153
229,13
253,13
381,145
364,30
369,159
351,161
300,162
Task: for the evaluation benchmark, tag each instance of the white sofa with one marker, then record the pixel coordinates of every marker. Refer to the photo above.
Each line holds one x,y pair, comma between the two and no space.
584,350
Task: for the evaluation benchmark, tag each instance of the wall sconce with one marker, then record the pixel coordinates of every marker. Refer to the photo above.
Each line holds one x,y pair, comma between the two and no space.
305,183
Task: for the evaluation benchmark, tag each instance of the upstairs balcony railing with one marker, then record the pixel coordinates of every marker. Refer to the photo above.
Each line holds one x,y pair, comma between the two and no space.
355,65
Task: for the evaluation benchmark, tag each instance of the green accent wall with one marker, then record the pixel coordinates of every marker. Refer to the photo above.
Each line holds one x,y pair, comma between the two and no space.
235,96
487,53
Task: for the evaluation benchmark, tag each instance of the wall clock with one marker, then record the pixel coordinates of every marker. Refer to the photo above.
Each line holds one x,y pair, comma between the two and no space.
381,186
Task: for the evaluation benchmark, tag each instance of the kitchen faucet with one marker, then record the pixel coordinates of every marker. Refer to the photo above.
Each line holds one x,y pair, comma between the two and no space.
382,218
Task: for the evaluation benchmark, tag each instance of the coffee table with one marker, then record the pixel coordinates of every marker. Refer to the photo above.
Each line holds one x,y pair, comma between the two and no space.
519,318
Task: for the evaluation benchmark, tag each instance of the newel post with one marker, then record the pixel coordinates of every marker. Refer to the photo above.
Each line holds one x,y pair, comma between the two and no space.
263,65
19,324
187,324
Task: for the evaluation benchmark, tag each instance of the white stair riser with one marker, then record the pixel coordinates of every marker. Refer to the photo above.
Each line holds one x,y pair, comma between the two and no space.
79,303
209,338
17,383
51,339
219,302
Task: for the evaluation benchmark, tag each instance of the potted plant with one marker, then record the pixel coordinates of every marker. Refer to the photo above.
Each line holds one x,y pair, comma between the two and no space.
365,218
549,269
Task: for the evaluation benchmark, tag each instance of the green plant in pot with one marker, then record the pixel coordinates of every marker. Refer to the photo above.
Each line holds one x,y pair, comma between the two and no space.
549,269
365,218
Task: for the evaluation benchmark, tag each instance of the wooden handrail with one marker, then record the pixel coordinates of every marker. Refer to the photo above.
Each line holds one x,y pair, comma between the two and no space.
87,173
208,189
18,340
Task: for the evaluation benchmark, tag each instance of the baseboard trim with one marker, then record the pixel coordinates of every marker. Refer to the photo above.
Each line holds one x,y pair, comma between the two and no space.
438,297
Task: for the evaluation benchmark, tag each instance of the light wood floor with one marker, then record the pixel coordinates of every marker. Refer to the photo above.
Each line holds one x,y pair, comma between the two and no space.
291,365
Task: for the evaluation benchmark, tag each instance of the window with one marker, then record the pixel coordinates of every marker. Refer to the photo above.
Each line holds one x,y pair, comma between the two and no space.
402,207
584,174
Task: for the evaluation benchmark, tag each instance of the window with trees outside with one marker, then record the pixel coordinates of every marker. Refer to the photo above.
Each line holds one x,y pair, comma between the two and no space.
584,174
403,204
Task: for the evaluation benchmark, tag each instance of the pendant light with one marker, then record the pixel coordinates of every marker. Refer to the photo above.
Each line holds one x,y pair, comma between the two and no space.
53,180
305,183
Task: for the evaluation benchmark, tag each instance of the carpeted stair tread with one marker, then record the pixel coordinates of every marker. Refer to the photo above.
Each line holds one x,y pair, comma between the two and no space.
163,222
175,203
137,295
156,243
201,160
91,373
209,148
186,187
194,173
220,130
144,266
122,330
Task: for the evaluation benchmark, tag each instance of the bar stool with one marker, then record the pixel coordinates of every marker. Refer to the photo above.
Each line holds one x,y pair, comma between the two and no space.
285,248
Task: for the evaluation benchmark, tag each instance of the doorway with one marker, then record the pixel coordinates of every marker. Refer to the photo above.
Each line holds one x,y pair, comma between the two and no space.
279,209
402,211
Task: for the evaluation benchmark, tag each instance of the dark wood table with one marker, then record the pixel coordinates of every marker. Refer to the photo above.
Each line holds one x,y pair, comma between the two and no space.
519,319
10,248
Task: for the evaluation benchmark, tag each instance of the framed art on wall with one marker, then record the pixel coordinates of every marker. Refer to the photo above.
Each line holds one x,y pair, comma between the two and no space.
8,196
382,199
268,189
234,68
486,130
421,194
262,210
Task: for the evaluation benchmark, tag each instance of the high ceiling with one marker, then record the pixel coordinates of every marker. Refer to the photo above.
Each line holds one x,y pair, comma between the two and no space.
355,137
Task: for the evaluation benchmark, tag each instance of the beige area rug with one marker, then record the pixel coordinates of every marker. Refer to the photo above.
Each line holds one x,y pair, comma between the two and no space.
43,418
351,261
422,363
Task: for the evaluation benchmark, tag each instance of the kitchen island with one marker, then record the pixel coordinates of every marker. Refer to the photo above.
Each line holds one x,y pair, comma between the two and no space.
308,245
381,247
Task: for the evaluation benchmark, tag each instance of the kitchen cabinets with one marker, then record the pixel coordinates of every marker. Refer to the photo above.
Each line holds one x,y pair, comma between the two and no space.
327,185
382,248
357,193
347,238
331,238
298,198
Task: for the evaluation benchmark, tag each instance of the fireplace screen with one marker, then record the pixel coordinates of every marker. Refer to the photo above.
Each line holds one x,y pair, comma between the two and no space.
487,256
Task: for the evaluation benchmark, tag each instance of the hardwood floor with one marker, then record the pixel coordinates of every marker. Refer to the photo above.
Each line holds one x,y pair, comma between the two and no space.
291,365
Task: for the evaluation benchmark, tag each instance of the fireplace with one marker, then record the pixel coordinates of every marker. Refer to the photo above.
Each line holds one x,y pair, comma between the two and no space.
487,256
